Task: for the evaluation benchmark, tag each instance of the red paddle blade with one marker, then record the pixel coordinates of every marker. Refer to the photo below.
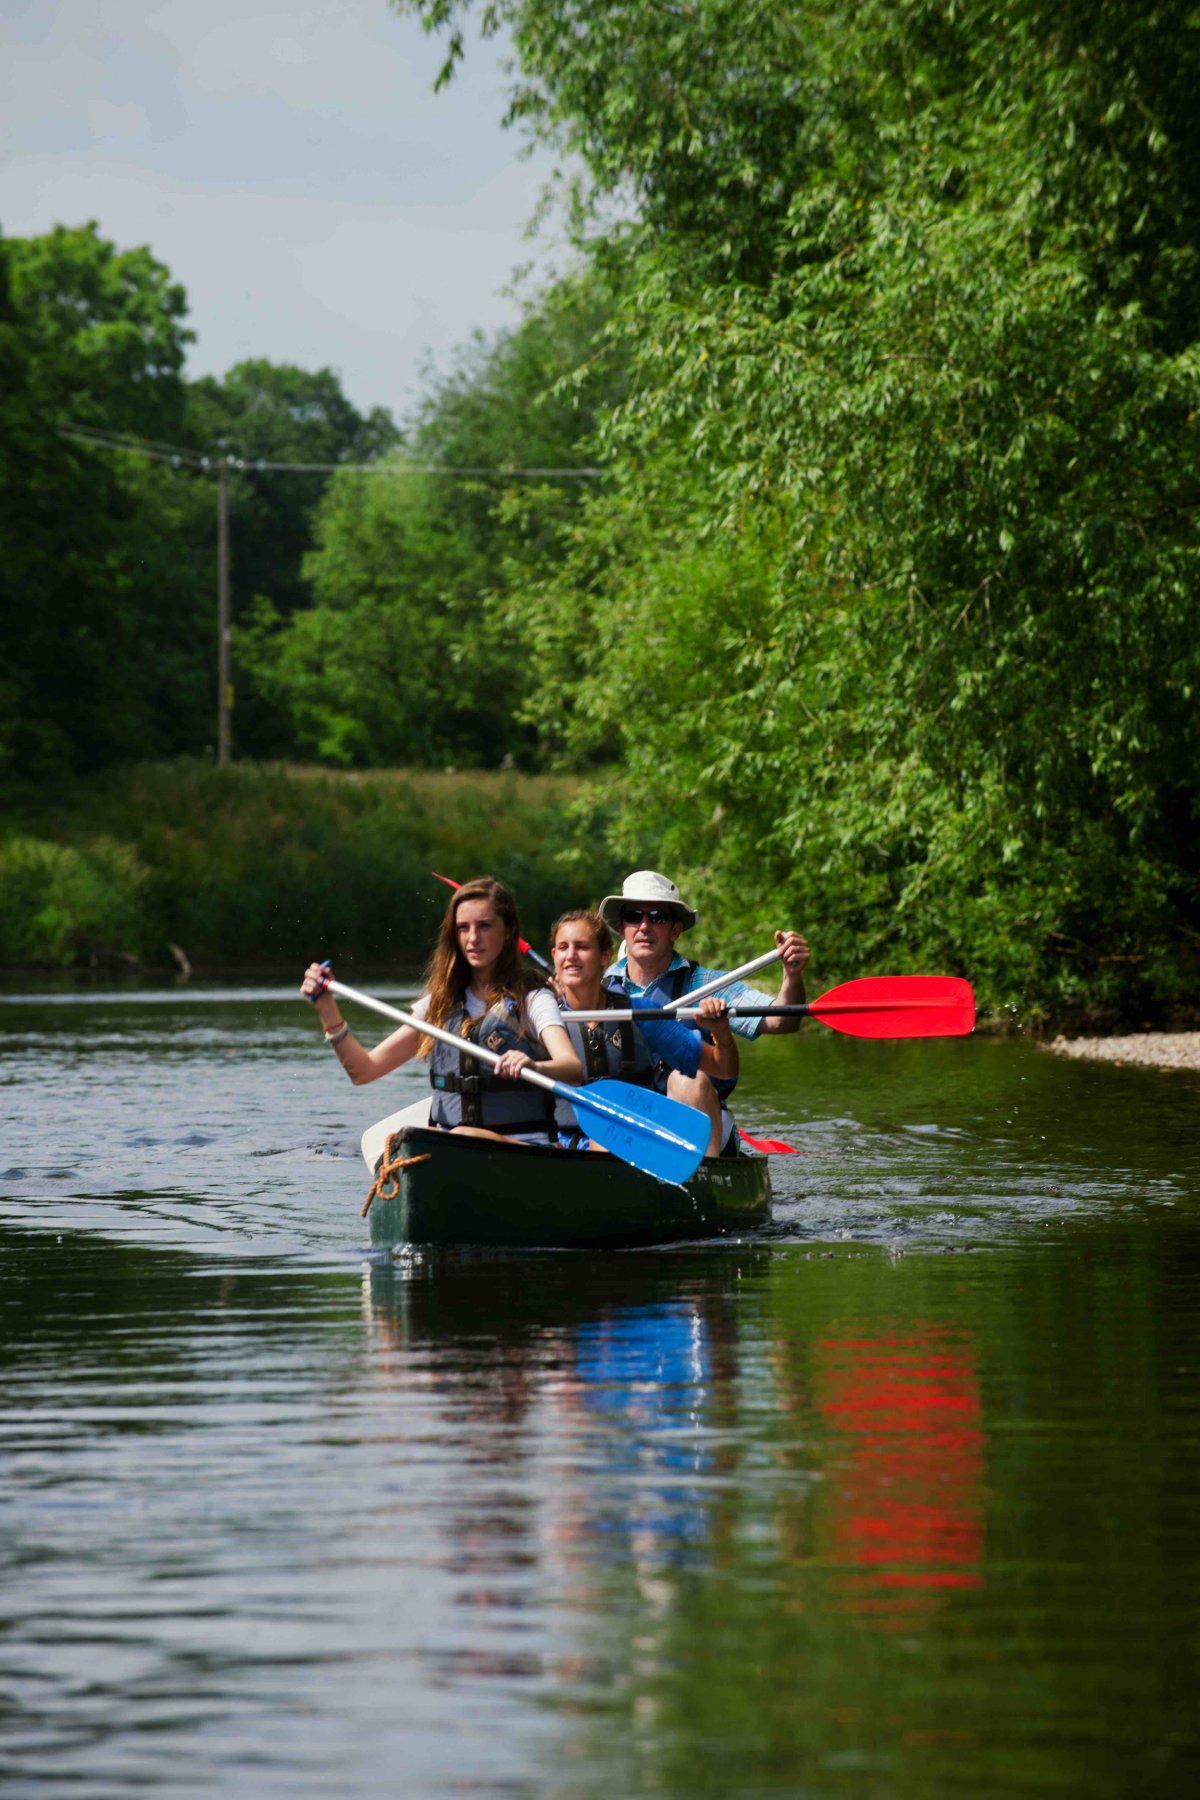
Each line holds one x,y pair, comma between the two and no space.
768,1146
899,1006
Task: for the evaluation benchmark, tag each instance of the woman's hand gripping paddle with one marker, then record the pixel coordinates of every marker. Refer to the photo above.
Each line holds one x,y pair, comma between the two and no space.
660,1136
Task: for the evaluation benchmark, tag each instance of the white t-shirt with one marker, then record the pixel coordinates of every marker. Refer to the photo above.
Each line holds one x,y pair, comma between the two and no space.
538,1013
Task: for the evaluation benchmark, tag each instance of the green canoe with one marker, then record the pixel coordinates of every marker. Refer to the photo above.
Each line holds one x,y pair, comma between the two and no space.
466,1190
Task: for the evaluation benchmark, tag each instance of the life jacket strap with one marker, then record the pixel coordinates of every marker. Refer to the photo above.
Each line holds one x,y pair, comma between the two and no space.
468,1082
679,979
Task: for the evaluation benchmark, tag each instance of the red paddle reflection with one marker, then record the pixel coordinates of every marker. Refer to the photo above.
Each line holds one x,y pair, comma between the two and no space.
905,1494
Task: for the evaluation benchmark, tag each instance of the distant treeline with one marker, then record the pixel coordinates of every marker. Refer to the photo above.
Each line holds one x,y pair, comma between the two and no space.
366,596
884,332
165,866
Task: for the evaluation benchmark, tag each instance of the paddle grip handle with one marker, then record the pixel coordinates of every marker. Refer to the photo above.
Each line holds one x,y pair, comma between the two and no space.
328,988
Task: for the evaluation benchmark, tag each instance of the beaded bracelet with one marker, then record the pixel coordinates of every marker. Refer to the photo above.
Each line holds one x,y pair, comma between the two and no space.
335,1036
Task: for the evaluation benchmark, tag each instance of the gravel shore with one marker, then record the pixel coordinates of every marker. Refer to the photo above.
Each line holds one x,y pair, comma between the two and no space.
1152,1049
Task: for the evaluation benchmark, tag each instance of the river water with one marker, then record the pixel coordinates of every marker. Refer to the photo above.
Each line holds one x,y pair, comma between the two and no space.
897,1499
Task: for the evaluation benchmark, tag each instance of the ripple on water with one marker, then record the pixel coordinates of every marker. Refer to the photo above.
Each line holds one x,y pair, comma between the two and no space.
843,1510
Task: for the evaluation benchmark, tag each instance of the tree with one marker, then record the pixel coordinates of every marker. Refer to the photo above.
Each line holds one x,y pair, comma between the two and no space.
409,654
901,519
262,412
114,321
97,628
109,555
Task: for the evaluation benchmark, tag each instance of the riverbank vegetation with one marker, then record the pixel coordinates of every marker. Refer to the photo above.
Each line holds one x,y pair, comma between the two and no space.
260,866
881,617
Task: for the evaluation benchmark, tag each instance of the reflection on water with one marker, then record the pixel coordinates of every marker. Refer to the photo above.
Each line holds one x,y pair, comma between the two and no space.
899,1500
904,1500
642,1377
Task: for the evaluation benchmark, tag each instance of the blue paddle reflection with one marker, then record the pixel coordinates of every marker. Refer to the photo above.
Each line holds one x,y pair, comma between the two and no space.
643,1378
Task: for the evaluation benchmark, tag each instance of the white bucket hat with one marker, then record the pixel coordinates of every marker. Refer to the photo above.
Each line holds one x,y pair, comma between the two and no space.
646,888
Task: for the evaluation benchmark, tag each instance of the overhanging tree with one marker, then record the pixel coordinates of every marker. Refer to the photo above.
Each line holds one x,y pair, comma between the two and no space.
909,309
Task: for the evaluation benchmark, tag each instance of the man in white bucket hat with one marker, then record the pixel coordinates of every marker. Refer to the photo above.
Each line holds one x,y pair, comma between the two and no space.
649,915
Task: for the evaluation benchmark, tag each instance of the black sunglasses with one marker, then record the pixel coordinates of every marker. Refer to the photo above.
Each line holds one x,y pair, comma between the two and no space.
654,915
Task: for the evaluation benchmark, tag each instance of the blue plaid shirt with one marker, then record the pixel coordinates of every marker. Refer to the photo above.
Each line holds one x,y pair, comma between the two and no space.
659,992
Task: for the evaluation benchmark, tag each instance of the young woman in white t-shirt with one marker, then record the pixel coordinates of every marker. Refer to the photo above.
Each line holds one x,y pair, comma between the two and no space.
475,986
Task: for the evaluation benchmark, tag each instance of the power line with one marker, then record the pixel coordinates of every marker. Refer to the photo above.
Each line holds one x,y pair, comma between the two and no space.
180,457
110,440
222,465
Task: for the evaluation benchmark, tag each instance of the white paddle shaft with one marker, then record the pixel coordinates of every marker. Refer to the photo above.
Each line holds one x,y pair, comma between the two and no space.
444,1037
714,987
655,1133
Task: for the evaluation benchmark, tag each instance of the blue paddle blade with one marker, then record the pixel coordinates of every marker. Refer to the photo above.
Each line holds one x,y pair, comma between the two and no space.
658,1135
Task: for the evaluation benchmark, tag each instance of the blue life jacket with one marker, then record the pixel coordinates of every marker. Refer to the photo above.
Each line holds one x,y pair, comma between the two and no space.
465,1092
615,1051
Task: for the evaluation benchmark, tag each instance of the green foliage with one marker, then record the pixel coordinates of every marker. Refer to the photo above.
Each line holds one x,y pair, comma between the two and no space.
64,906
408,654
108,559
890,601
397,662
262,865
262,412
114,320
102,618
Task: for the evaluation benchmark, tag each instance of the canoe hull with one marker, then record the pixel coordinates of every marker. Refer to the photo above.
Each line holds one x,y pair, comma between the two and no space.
473,1191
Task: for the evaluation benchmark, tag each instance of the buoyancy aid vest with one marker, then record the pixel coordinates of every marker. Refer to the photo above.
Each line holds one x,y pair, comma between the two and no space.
673,985
670,986
615,1051
465,1092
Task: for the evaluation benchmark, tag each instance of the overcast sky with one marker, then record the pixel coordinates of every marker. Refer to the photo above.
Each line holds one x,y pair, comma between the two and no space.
290,164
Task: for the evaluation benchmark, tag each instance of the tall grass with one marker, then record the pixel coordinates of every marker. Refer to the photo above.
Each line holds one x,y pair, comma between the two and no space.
267,865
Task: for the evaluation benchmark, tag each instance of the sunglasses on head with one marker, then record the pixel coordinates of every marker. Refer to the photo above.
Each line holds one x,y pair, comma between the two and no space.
653,915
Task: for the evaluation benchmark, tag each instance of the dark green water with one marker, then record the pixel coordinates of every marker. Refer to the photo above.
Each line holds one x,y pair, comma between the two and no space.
900,1499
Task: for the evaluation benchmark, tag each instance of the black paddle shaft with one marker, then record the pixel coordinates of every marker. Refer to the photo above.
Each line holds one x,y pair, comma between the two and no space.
771,1010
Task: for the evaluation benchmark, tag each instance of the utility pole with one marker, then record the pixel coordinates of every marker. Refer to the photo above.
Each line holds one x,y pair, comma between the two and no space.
204,460
224,684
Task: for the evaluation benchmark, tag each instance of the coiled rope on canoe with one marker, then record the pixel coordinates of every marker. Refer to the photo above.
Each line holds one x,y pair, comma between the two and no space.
387,1176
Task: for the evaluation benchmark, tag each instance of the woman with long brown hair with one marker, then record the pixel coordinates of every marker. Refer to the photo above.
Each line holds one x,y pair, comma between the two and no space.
476,987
